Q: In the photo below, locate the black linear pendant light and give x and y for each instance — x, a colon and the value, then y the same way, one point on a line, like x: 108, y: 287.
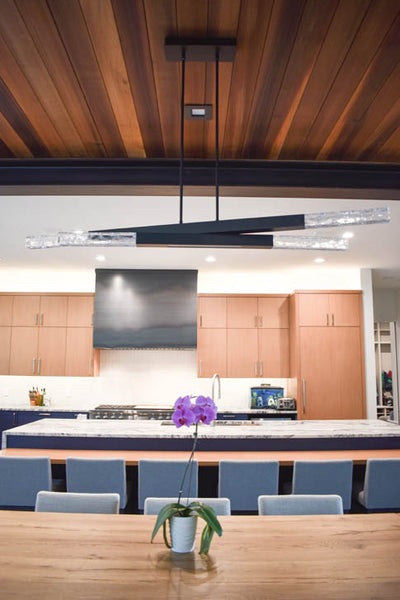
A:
x: 229, y: 233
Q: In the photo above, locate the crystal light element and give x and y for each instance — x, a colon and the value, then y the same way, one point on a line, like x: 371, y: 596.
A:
x: 293, y: 242
x: 84, y: 238
x: 366, y: 216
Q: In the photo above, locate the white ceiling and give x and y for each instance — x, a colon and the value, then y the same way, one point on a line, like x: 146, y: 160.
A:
x: 373, y: 246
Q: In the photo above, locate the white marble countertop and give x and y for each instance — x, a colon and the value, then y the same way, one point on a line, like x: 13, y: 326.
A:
x: 157, y: 429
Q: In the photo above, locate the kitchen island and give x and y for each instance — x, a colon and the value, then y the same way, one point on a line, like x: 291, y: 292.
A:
x: 224, y: 435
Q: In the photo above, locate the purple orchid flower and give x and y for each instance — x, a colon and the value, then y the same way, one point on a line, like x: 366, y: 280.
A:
x: 204, y: 414
x: 183, y: 416
x: 183, y: 402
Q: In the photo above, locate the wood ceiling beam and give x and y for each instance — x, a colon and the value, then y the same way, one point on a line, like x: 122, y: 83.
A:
x: 237, y: 178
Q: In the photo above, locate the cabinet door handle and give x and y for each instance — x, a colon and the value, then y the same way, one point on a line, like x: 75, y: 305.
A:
x: 255, y: 369
x: 92, y: 319
x: 327, y: 320
x: 33, y: 365
x: 201, y: 320
x: 90, y: 366
x: 36, y: 318
x: 304, y: 396
x: 38, y: 365
x: 255, y: 321
x: 201, y: 368
x: 333, y: 320
x: 44, y: 414
x: 261, y: 368
x: 261, y: 321
x: 41, y: 319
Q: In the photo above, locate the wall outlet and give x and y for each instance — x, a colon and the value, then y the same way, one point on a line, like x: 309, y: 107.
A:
x: 5, y: 393
x: 68, y: 393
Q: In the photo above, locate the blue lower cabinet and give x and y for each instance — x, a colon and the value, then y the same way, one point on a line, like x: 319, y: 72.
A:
x: 8, y: 419
x: 232, y: 416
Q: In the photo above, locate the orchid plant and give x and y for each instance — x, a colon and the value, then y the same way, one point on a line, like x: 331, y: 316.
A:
x: 203, y: 410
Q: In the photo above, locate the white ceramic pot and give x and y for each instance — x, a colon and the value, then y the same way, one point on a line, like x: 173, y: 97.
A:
x: 183, y: 533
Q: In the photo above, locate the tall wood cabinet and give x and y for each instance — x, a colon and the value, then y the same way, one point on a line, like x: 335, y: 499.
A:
x: 243, y: 335
x: 327, y: 354
x: 48, y: 334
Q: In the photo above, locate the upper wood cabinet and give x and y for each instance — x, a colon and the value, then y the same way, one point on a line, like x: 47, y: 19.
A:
x: 6, y: 305
x: 252, y: 338
x: 80, y: 311
x: 40, y: 338
x: 330, y: 309
x: 211, y: 311
x: 42, y: 311
x: 273, y: 312
x: 241, y: 312
x: 26, y: 311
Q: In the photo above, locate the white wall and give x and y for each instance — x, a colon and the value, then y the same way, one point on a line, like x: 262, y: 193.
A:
x: 155, y: 376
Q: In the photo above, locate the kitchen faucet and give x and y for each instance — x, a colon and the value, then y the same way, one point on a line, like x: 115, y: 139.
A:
x: 215, y: 376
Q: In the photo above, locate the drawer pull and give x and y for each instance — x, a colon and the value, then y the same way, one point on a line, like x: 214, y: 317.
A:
x: 304, y: 396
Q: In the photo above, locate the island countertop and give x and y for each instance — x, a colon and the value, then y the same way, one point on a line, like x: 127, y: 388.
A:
x: 233, y: 435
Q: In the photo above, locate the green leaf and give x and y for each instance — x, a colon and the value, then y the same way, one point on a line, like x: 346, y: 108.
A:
x: 206, y: 538
x: 207, y: 514
x: 167, y: 511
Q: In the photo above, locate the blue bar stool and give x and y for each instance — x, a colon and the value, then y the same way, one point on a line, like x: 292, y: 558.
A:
x: 162, y: 478
x: 242, y: 481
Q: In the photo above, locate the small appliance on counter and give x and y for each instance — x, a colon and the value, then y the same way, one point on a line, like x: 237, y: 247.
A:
x: 265, y: 397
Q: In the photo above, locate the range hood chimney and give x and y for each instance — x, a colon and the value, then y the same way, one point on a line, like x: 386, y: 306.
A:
x: 141, y: 308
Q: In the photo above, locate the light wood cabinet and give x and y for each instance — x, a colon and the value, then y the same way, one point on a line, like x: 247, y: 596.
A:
x: 41, y: 338
x: 26, y: 311
x: 253, y: 336
x: 319, y: 309
x: 40, y: 311
x: 80, y: 311
x: 23, y: 355
x: 51, y: 351
x: 80, y: 356
x: 6, y: 305
x: 273, y: 352
x: 242, y: 353
x: 5, y: 342
x: 273, y: 312
x: 211, y: 352
x: 328, y: 358
x: 241, y: 312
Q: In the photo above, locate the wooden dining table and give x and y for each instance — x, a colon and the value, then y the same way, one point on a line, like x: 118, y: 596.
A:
x: 85, y: 556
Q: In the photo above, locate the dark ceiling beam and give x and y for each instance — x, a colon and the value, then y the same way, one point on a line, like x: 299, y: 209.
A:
x: 158, y: 175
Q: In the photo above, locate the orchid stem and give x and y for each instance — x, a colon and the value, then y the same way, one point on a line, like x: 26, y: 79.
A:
x: 187, y: 467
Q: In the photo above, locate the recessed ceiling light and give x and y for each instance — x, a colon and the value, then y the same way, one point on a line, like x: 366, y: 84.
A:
x: 319, y: 260
x: 211, y: 259
x: 100, y: 257
x: 347, y: 235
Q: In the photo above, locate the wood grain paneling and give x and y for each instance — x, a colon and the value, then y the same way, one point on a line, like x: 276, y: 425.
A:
x: 72, y: 26
x: 311, y: 80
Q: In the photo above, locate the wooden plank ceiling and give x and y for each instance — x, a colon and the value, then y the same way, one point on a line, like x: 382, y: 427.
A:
x: 312, y: 80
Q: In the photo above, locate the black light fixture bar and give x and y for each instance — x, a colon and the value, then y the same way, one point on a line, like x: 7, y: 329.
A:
x: 200, y: 50
x: 202, y: 240
x: 227, y: 226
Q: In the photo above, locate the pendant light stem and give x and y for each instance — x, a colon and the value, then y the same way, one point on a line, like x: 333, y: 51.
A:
x: 216, y: 134
x: 182, y: 138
